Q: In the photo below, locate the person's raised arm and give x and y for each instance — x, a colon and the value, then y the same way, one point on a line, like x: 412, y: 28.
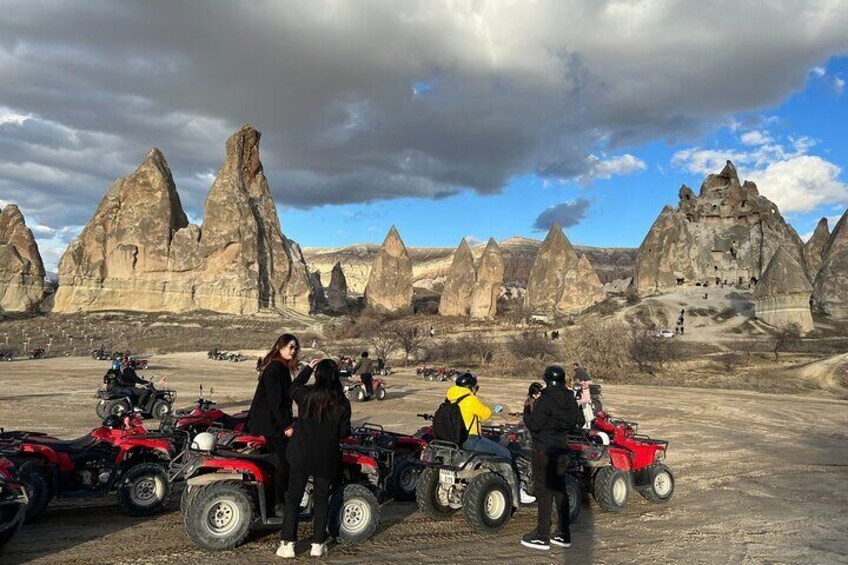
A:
x: 344, y: 422
x: 299, y: 383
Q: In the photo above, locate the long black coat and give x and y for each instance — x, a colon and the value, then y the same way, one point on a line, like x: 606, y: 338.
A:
x: 271, y: 408
x: 314, y: 447
x: 552, y: 417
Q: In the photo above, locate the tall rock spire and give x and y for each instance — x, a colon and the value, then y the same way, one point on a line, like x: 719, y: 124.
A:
x: 456, y: 296
x: 782, y: 296
x: 490, y: 278
x: 831, y: 287
x: 21, y: 268
x: 389, y: 287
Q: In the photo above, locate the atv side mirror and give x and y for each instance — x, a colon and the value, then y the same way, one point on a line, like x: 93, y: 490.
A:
x: 497, y: 409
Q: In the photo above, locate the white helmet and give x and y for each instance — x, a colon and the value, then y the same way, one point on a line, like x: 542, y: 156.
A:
x: 603, y: 436
x: 204, y: 442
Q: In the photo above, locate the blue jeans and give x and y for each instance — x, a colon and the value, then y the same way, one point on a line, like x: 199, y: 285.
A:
x: 477, y: 443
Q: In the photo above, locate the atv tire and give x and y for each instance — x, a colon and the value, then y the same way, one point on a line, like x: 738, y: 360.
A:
x: 219, y: 515
x: 656, y: 483
x: 117, y: 407
x: 380, y: 394
x: 354, y: 514
x: 403, y: 480
x: 186, y: 497
x: 36, y: 480
x: 611, y: 489
x: 161, y: 408
x: 144, y: 490
x: 487, y: 503
x: 359, y: 394
x: 427, y: 495
x: 100, y: 408
x: 575, y: 498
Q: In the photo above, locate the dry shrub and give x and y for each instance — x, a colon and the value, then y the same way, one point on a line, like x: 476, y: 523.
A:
x: 603, y: 347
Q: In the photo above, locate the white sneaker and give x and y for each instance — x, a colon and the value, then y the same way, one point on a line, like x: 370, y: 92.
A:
x: 286, y: 550
x: 526, y: 498
x: 318, y: 550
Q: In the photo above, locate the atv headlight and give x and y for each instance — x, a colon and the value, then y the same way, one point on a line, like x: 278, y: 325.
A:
x: 659, y: 455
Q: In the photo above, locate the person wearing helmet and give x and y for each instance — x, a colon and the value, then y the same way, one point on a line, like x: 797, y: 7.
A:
x: 550, y: 418
x: 364, y: 368
x: 474, y: 413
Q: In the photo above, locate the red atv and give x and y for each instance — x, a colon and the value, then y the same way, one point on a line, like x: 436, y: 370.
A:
x: 637, y: 461
x: 13, y: 501
x: 37, y: 353
x: 120, y: 456
x: 355, y: 389
x: 227, y: 495
x: 205, y: 414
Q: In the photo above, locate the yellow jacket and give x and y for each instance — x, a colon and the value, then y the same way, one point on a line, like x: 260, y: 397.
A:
x: 473, y: 411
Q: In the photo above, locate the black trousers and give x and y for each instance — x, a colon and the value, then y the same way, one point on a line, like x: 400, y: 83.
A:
x: 277, y: 446
x: 320, y: 506
x: 550, y: 487
x: 368, y: 381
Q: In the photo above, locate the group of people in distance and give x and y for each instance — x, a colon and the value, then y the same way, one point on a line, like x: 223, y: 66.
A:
x: 310, y: 447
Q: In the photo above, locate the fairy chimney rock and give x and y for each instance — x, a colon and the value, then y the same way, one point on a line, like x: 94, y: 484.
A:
x: 21, y: 268
x: 459, y: 285
x: 336, y: 292
x: 561, y: 282
x: 830, y: 293
x: 815, y: 247
x: 782, y: 296
x: 490, y: 278
x: 389, y: 287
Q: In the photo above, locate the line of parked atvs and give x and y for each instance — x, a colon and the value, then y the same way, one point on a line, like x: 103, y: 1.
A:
x: 226, y: 475
x: 231, y: 356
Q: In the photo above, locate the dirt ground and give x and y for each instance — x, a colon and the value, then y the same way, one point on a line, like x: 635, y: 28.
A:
x: 760, y: 478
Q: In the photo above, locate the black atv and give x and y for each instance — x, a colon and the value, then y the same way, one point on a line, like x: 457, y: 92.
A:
x: 118, y: 400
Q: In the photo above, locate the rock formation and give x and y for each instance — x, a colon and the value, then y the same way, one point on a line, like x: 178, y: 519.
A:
x: 560, y: 281
x: 831, y: 286
x: 139, y: 252
x: 319, y: 297
x: 456, y: 296
x: 21, y: 269
x: 782, y: 297
x: 490, y: 278
x: 815, y: 247
x: 727, y: 234
x: 337, y: 290
x: 389, y: 288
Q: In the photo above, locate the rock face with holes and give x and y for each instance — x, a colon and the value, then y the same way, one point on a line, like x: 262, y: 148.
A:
x: 560, y: 281
x: 816, y: 246
x: 490, y: 278
x: 456, y: 296
x: 389, y: 288
x: 21, y: 268
x: 139, y: 252
x: 831, y: 286
x: 727, y: 234
x: 782, y: 296
x: 337, y: 290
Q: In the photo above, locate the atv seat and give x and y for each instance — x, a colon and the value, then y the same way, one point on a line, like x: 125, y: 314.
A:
x: 230, y: 422
x: 66, y: 446
x: 264, y: 461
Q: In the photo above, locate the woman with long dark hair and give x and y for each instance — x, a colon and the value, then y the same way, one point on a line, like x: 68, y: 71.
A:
x: 271, y: 409
x: 323, y: 419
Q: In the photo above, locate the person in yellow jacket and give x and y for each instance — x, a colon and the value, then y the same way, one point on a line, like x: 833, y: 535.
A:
x: 474, y: 413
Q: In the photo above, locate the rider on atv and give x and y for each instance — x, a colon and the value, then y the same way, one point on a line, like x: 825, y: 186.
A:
x: 474, y: 413
x: 125, y: 381
x: 550, y: 417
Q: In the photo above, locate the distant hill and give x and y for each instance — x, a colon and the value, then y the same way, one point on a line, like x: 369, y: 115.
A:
x: 430, y: 265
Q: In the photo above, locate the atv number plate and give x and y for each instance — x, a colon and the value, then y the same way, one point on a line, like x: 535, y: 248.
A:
x: 447, y: 477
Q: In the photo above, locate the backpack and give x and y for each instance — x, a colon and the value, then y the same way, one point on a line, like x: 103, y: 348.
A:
x: 448, y: 424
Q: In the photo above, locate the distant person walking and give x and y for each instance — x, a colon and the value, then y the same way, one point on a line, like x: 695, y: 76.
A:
x: 365, y: 369
x: 323, y: 419
x: 271, y: 409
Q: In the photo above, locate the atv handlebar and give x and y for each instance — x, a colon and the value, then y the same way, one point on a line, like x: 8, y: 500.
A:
x: 428, y: 417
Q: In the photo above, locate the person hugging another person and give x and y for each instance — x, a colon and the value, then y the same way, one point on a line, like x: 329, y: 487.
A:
x: 323, y: 419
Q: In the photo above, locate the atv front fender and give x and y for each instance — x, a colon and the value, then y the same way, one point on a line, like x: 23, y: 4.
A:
x: 210, y: 478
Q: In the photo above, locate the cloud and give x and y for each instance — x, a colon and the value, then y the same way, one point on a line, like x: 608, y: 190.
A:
x: 567, y: 214
x: 784, y: 172
x: 423, y: 99
x: 838, y: 86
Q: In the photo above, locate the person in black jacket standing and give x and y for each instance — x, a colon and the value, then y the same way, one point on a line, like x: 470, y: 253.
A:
x: 323, y: 419
x: 550, y: 418
x: 271, y: 409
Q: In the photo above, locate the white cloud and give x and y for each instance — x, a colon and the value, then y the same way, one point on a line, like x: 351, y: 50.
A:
x: 756, y: 138
x: 818, y: 71
x: 600, y: 168
x: 839, y: 85
x: 9, y: 116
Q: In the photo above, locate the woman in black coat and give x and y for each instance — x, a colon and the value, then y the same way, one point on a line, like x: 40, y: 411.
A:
x: 323, y: 419
x: 271, y: 409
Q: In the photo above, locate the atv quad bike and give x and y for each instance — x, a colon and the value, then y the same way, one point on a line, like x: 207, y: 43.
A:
x: 13, y: 501
x: 227, y: 492
x: 115, y: 400
x: 206, y: 414
x: 355, y: 389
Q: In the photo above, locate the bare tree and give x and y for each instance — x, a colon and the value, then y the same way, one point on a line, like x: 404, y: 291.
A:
x: 382, y: 342
x: 408, y: 339
x: 784, y: 337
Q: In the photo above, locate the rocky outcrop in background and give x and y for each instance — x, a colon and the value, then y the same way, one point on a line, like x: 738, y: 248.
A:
x: 782, y: 296
x: 456, y: 295
x: 831, y: 287
x: 816, y: 246
x: 725, y: 235
x: 389, y: 288
x: 21, y: 268
x: 561, y: 282
x: 139, y: 252
x: 336, y: 291
x: 490, y: 278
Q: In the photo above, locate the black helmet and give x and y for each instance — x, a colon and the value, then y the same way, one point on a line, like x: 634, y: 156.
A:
x: 535, y: 388
x: 112, y: 421
x: 466, y: 380
x: 365, y: 354
x: 554, y: 375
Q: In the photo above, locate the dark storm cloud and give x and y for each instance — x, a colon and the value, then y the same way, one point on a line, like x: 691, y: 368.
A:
x: 566, y: 214
x: 375, y: 99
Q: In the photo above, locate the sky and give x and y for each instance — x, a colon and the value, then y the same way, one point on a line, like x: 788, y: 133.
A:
x: 448, y: 119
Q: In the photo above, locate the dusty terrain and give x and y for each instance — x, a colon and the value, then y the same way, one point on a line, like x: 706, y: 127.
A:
x: 760, y: 478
